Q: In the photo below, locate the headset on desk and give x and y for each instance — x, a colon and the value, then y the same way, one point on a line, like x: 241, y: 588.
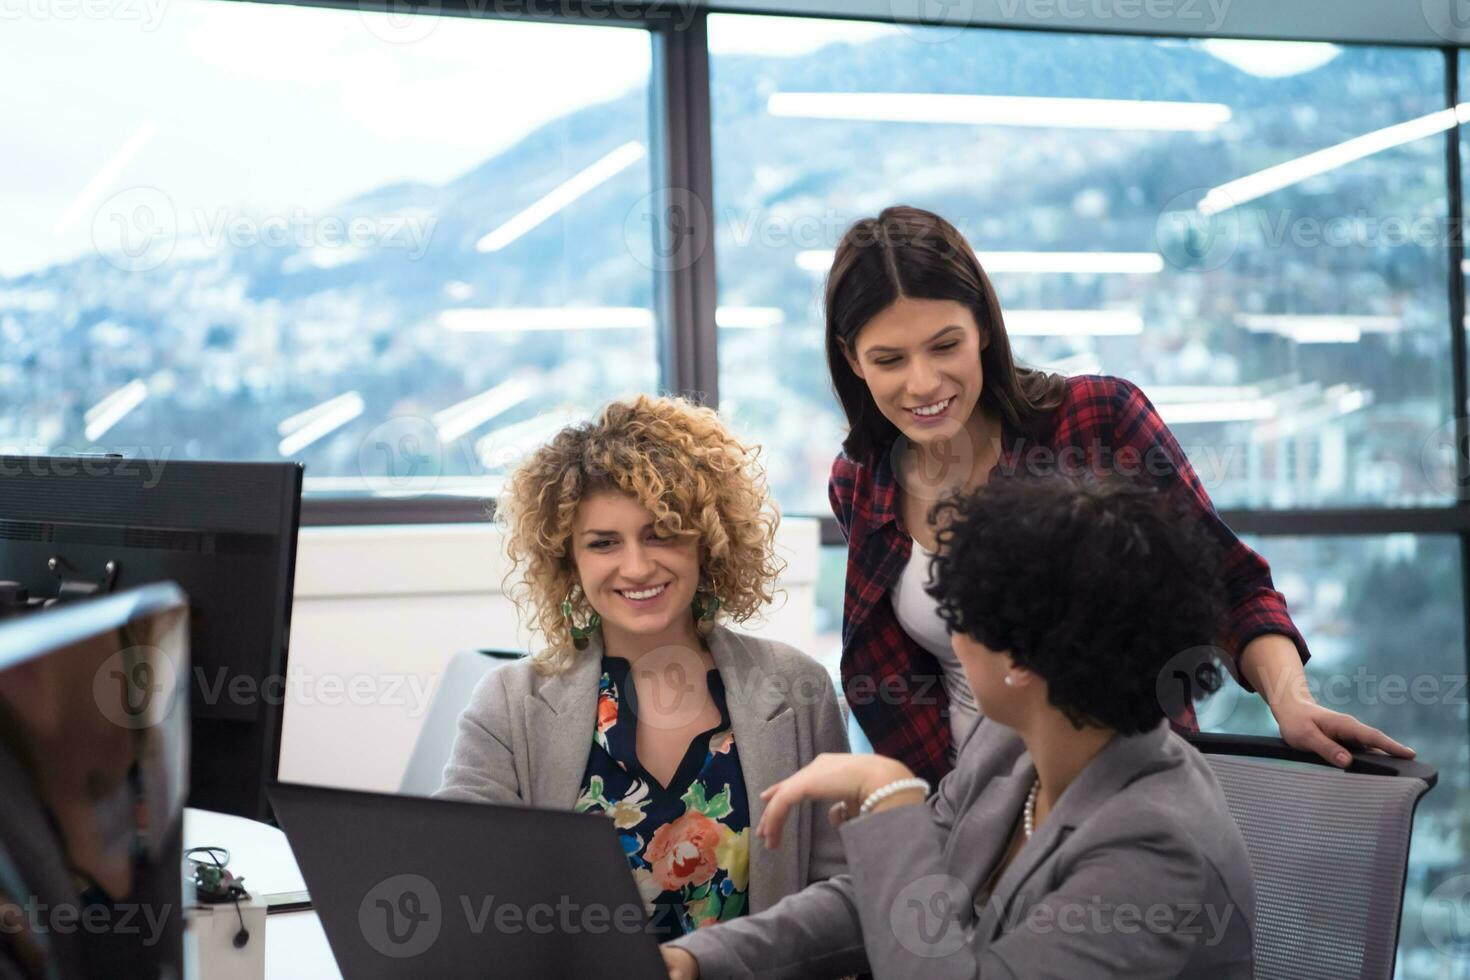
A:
x: 214, y: 883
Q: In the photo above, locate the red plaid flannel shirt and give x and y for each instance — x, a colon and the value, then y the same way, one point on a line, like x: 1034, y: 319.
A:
x: 1107, y: 424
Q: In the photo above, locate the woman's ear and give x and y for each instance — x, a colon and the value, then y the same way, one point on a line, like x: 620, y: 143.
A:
x: 852, y: 361
x: 1017, y: 676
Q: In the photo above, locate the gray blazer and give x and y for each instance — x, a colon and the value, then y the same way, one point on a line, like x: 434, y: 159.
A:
x: 1138, y: 872
x: 525, y: 738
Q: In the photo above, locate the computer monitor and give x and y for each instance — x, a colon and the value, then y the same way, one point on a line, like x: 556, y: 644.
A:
x: 93, y: 772
x: 79, y: 526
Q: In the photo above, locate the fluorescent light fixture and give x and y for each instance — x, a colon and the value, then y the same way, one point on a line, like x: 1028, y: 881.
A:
x: 305, y: 428
x: 1183, y: 404
x: 1073, y: 364
x: 1263, y: 182
x: 1326, y: 333
x: 564, y: 194
x: 749, y: 317
x: 1120, y: 263
x: 1240, y: 410
x: 1290, y: 411
x: 104, y: 177
x: 1315, y: 406
x: 1073, y: 323
x: 1090, y: 263
x: 1000, y: 110
x: 111, y: 410
x: 1272, y: 59
x: 1165, y: 394
x: 304, y: 418
x: 514, y: 319
x: 474, y: 412
x: 1352, y: 400
x: 1318, y: 329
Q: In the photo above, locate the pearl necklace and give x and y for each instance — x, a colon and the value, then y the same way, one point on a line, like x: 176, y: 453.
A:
x: 1029, y: 813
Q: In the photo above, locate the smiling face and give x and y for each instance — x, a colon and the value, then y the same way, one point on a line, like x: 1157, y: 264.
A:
x: 920, y: 359
x: 639, y: 580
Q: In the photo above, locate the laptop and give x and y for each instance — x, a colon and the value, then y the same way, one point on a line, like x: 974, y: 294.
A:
x: 411, y: 886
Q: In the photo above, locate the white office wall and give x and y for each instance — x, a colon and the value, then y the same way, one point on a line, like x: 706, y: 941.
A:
x: 378, y: 612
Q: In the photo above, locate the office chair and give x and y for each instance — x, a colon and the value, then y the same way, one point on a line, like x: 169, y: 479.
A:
x: 441, y: 723
x: 1329, y: 849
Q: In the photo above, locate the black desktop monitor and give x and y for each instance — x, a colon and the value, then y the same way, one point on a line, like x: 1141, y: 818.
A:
x: 74, y: 527
x: 94, y: 744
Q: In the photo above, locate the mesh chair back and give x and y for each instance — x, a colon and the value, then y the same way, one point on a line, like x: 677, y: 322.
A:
x: 1329, y: 850
x: 425, y: 768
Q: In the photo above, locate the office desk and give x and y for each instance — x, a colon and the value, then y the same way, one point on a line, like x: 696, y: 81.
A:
x: 295, y: 946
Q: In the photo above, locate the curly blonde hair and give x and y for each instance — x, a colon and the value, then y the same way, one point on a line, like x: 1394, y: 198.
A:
x: 679, y: 461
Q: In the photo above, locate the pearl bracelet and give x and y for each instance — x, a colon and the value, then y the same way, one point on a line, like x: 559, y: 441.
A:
x: 884, y: 792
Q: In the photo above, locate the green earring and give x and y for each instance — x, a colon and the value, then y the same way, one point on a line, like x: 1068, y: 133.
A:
x: 705, y: 606
x: 580, y: 634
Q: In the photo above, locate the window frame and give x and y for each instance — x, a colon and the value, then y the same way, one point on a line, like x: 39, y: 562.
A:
x: 687, y: 335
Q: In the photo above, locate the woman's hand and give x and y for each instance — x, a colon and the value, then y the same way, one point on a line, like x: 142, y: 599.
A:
x: 1308, y: 726
x: 1271, y: 663
x: 845, y: 779
x: 681, y: 964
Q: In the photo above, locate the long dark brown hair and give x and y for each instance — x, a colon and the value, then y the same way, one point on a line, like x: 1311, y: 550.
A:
x: 910, y: 252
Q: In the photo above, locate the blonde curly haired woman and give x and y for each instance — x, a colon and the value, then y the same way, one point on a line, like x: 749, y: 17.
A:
x: 636, y: 536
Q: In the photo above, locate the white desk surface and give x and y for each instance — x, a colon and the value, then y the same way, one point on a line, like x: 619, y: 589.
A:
x: 295, y: 946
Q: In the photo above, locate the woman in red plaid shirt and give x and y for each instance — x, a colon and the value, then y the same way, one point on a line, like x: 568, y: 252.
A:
x: 936, y: 404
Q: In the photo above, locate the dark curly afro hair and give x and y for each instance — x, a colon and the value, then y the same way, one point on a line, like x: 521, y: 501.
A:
x: 1097, y: 586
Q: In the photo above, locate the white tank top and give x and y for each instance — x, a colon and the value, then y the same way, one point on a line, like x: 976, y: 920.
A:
x: 918, y: 614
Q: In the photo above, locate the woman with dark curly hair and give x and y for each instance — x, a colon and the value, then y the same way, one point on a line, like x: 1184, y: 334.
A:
x: 635, y: 537
x: 1078, y: 835
x: 935, y: 403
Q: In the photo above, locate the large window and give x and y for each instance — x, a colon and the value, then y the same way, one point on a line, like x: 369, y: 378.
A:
x: 394, y: 248
x: 405, y: 249
x: 1254, y: 232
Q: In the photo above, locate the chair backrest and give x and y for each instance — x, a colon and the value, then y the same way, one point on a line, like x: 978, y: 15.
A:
x: 441, y: 724
x: 1329, y: 850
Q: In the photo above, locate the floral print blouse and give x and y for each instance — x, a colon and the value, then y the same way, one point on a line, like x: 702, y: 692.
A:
x: 689, y: 844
